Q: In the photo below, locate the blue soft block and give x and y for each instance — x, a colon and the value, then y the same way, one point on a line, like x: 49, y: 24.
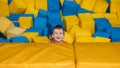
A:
x: 70, y: 8
x: 53, y: 5
x: 42, y: 13
x: 102, y: 24
x: 2, y: 36
x: 36, y: 29
x: 16, y: 23
x: 40, y: 22
x: 15, y: 17
x: 19, y: 39
x: 115, y: 30
x: 54, y: 15
x: 4, y: 41
x: 115, y: 37
x: 45, y: 31
x: 9, y: 1
x: 102, y: 34
x: 82, y: 10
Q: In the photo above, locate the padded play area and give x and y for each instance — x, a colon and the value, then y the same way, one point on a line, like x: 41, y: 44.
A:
x: 91, y: 30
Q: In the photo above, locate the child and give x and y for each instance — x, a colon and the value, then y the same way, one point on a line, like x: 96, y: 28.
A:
x: 58, y: 34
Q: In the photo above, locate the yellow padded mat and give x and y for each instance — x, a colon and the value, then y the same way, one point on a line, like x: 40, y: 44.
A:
x: 102, y: 55
x: 31, y: 55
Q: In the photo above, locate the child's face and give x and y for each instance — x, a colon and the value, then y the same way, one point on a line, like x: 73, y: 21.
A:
x: 58, y: 35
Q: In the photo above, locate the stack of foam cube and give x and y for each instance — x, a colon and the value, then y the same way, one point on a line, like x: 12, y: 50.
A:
x: 70, y: 8
x: 4, y: 8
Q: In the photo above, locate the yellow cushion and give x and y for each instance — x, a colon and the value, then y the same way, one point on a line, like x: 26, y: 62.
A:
x: 33, y: 55
x: 30, y: 35
x: 3, y: 2
x: 41, y: 39
x: 32, y: 11
x: 25, y: 22
x: 30, y: 3
x: 17, y: 6
x: 84, y: 40
x: 5, y: 24
x: 98, y: 15
x: 100, y: 6
x: 114, y: 6
x: 4, y: 11
x: 41, y: 4
x: 87, y: 22
x: 101, y: 39
x: 68, y: 38
x: 102, y: 55
x: 16, y: 31
x: 113, y: 19
x: 88, y: 4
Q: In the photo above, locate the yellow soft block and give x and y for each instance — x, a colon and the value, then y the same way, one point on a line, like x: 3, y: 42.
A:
x: 78, y: 1
x: 3, y: 2
x: 70, y: 21
x: 101, y: 39
x: 83, y: 33
x: 31, y: 55
x: 98, y: 15
x: 30, y: 35
x: 4, y: 11
x: 41, y: 4
x: 118, y: 14
x: 100, y: 6
x: 41, y: 39
x: 5, y: 24
x: 84, y: 40
x: 25, y: 22
x: 113, y: 19
x: 32, y: 11
x: 16, y: 31
x: 68, y: 38
x: 17, y: 6
x: 114, y: 6
x: 94, y: 55
x: 87, y: 22
x: 88, y: 4
x: 30, y: 3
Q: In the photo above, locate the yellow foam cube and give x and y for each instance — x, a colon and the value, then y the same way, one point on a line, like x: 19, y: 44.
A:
x: 41, y: 4
x: 41, y: 39
x: 4, y: 11
x: 83, y: 33
x: 98, y: 15
x: 17, y: 6
x: 78, y: 1
x: 114, y: 6
x: 15, y: 32
x: 88, y: 4
x: 70, y: 21
x: 87, y: 22
x: 100, y: 6
x: 25, y: 22
x: 30, y: 35
x: 113, y: 19
x: 3, y: 2
x: 5, y: 24
x: 101, y: 39
x: 118, y: 14
x: 30, y: 3
x: 32, y: 11
x: 68, y: 38
x: 84, y: 40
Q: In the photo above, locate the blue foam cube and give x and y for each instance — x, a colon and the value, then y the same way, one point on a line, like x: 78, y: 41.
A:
x: 102, y: 24
x: 115, y: 37
x: 102, y: 34
x: 40, y: 22
x: 16, y: 23
x: 15, y: 17
x: 42, y: 13
x: 36, y: 29
x: 19, y: 39
x: 4, y: 41
x: 53, y: 5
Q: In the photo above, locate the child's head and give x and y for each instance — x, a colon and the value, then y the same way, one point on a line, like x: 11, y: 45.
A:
x: 58, y: 33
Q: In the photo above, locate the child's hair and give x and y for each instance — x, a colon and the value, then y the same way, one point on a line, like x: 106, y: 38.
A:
x: 58, y: 27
